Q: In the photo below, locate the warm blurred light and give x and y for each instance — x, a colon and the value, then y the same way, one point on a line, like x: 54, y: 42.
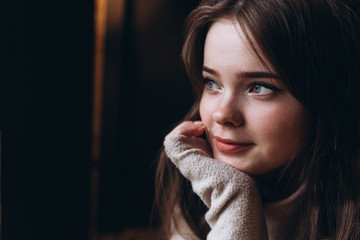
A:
x: 108, y: 15
x: 99, y: 52
x: 115, y: 16
x: 100, y: 13
x: 146, y: 10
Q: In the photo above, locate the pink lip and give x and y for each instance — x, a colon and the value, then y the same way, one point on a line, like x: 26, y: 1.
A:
x: 230, y: 146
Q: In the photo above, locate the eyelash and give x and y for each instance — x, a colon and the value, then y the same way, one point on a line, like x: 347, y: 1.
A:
x: 206, y: 81
x: 254, y: 84
x: 265, y: 85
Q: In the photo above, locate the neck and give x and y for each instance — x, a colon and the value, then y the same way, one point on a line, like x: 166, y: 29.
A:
x: 277, y: 184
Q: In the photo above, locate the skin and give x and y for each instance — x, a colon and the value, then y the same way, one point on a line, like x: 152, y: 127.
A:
x: 251, y: 120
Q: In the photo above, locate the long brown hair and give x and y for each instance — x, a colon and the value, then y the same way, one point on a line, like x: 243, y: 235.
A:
x: 314, y: 46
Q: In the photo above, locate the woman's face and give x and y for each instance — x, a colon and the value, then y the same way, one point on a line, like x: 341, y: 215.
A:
x: 252, y: 121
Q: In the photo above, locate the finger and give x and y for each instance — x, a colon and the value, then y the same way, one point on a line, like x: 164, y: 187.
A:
x: 192, y: 131
x: 198, y: 122
x: 187, y: 128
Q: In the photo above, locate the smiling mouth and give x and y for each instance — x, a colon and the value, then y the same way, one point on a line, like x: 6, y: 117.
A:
x: 230, y: 146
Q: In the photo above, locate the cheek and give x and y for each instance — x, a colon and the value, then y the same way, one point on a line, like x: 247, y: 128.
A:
x: 205, y: 111
x: 283, y: 127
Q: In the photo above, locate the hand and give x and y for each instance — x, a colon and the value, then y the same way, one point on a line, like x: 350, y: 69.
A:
x: 193, y: 131
x: 187, y: 128
x: 232, y: 196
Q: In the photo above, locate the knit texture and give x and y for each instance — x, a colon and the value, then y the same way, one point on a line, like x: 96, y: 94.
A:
x: 233, y: 199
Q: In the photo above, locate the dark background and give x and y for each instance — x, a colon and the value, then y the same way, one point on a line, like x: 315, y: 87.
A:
x: 46, y: 114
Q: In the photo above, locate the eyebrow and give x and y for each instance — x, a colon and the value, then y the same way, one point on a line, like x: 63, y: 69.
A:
x: 245, y: 74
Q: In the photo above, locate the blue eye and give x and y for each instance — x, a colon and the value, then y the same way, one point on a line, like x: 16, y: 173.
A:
x: 262, y: 89
x: 211, y: 84
x: 258, y: 89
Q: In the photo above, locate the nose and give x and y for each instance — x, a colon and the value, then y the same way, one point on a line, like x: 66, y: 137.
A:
x: 229, y: 112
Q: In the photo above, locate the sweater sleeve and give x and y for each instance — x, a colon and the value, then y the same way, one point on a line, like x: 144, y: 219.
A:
x: 232, y: 196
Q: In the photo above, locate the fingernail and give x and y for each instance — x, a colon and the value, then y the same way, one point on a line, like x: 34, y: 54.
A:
x: 198, y: 122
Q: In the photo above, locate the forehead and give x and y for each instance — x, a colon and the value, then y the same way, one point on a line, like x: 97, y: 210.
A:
x: 227, y: 45
x: 226, y: 36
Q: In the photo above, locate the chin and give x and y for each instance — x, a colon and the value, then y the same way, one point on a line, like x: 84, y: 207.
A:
x: 243, y: 166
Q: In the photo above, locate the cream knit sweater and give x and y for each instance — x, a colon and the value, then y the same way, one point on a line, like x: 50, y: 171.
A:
x: 235, y: 207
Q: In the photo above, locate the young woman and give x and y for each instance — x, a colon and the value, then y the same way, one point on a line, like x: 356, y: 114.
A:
x: 270, y: 149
